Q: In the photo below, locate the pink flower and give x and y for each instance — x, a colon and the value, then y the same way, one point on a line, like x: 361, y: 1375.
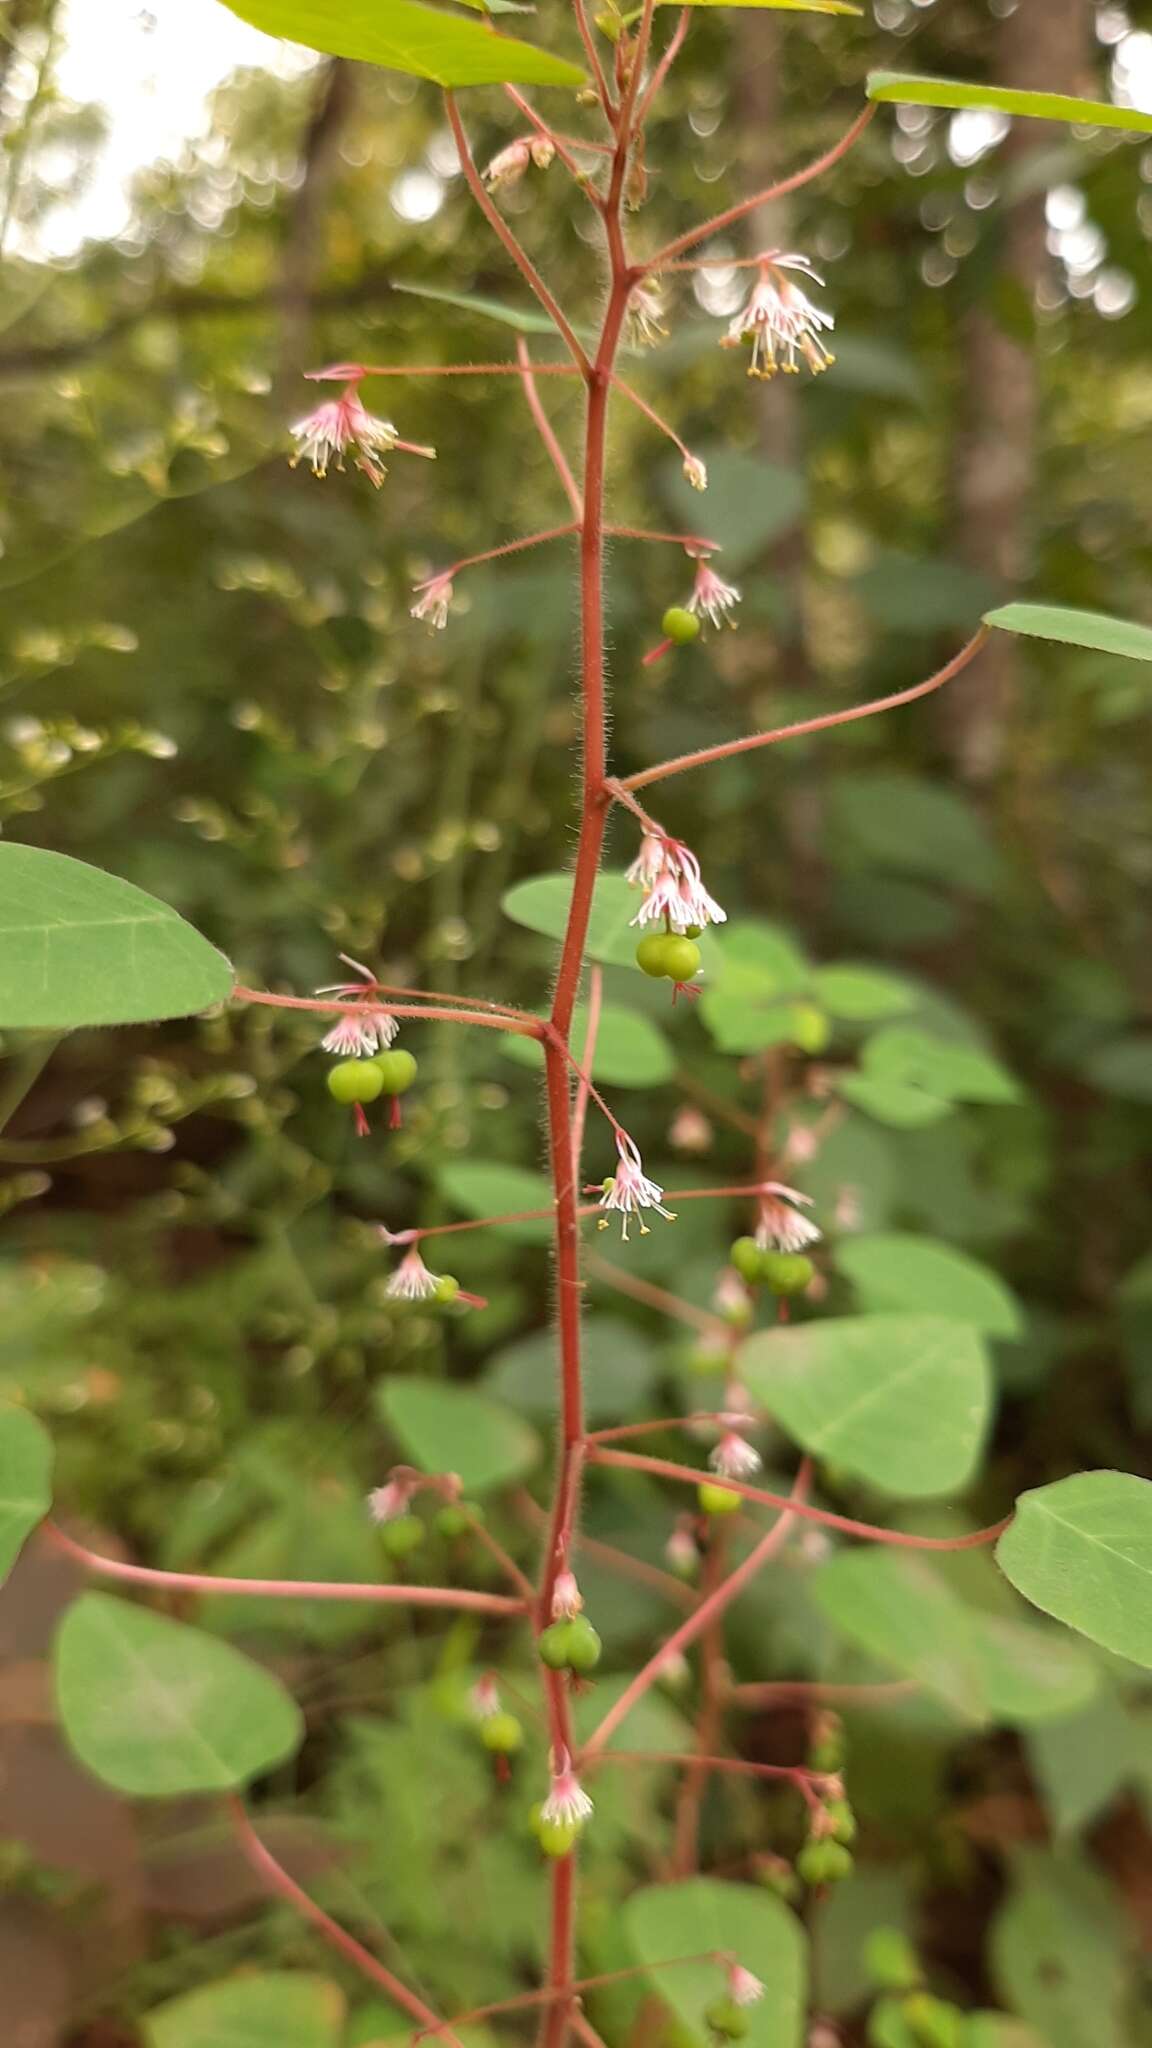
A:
x: 386, y: 1502
x: 484, y: 1698
x: 779, y: 1226
x: 337, y: 425
x: 711, y: 596
x: 567, y: 1599
x: 690, y: 1130
x: 681, y: 1553
x: 733, y: 1458
x: 629, y: 1189
x: 695, y: 472
x: 780, y: 321
x: 510, y: 163
x: 412, y: 1281
x: 669, y: 874
x: 645, y: 314
x: 432, y: 601
x: 567, y: 1801
x: 743, y: 1987
x: 359, y: 1033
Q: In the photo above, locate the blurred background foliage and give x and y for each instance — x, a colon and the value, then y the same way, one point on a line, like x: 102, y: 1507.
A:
x: 209, y: 683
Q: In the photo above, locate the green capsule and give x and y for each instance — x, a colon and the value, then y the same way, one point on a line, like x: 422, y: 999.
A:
x: 681, y: 959
x: 553, y: 1645
x: 355, y: 1081
x: 786, y: 1272
x: 447, y: 1288
x: 452, y: 1522
x: 727, y: 2019
x: 843, y: 1820
x: 746, y: 1255
x: 584, y: 1645
x: 557, y: 1838
x: 702, y: 1360
x: 397, y: 1071
x: 650, y: 954
x: 717, y: 1500
x: 680, y: 625
x: 502, y: 1733
x: 824, y: 1862
x: 402, y: 1536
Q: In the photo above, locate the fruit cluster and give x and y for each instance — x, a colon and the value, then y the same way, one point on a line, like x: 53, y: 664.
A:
x: 783, y: 1272
x: 361, y: 1081
x: 670, y: 956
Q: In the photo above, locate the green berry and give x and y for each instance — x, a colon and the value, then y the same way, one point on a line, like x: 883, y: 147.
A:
x: 402, y: 1536
x: 451, y: 1522
x: 502, y: 1734
x: 824, y: 1862
x: 703, y: 1361
x: 746, y: 1255
x: 650, y: 954
x: 584, y: 1646
x: 557, y: 1838
x: 681, y: 959
x: 843, y: 1821
x: 932, y: 2022
x: 553, y: 1645
x: 786, y: 1272
x: 693, y: 931
x: 355, y: 1081
x: 717, y: 1500
x: 447, y: 1287
x: 397, y: 1071
x: 680, y: 625
x: 809, y: 1027
x: 891, y: 1960
x: 727, y: 2019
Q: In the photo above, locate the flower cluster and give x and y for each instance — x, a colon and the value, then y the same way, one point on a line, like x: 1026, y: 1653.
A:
x: 780, y: 320
x: 509, y: 164
x: 344, y: 424
x: 779, y: 1225
x: 629, y: 1190
x: 669, y: 874
x: 367, y: 1029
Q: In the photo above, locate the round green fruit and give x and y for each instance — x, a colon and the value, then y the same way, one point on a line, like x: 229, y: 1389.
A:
x: 502, y: 1734
x: 933, y: 2022
x: 703, y: 1361
x: 717, y: 1500
x: 557, y: 1838
x: 355, y: 1081
x: 680, y: 625
x: 447, y: 1287
x: 786, y: 1272
x: 681, y: 959
x: 401, y: 1537
x: 843, y: 1820
x: 553, y: 1645
x: 397, y: 1071
x: 650, y: 954
x: 824, y: 1862
x: 727, y: 2019
x: 809, y: 1027
x: 451, y: 1522
x: 746, y: 1255
x: 584, y: 1645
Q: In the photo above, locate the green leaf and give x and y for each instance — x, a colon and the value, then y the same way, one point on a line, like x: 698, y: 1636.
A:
x: 156, y: 1709
x: 482, y: 1190
x: 524, y: 319
x: 892, y: 1102
x: 860, y: 995
x: 894, y: 1270
x: 25, y: 1481
x: 904, y: 1614
x: 906, y: 89
x: 541, y: 905
x: 1077, y: 629
x: 938, y: 1066
x: 1082, y: 1763
x: 901, y: 1401
x: 252, y: 2011
x: 81, y: 947
x: 1059, y: 1954
x: 669, y: 1921
x: 445, y: 1428
x: 1081, y: 1549
x: 403, y: 36
x: 906, y: 823
x: 619, y: 1372
x: 631, y: 1051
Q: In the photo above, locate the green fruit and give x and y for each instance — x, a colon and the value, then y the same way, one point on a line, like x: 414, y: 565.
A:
x: 843, y: 1819
x: 553, y: 1645
x: 778, y: 1876
x: 703, y: 1361
x: 401, y: 1537
x: 809, y: 1027
x: 717, y: 1500
x: 397, y: 1071
x: 693, y: 931
x: 727, y: 2019
x: 680, y: 625
x: 502, y: 1734
x: 355, y: 1081
x: 746, y: 1255
x: 824, y: 1862
x: 584, y: 1645
x: 557, y: 1838
x: 447, y: 1287
x: 650, y: 954
x: 681, y: 959
x: 786, y: 1272
x: 933, y: 2022
x: 452, y: 1522
x: 891, y: 1960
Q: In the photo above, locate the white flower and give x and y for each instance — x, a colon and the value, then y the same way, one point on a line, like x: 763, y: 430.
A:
x: 780, y: 1227
x: 567, y: 1599
x: 412, y: 1281
x: 385, y: 1503
x: 695, y: 472
x: 567, y: 1801
x: 733, y: 1458
x: 629, y: 1189
x: 337, y: 425
x: 432, y: 601
x: 743, y: 1987
x: 645, y: 312
x: 673, y: 886
x: 649, y: 861
x: 360, y: 1032
x: 780, y: 321
x: 711, y: 596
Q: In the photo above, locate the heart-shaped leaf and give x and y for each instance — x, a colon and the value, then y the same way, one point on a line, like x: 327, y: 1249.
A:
x: 156, y: 1709
x: 81, y: 947
x: 668, y: 1924
x: 1081, y: 1549
x: 894, y: 1270
x: 454, y: 1429
x: 253, y: 2011
x: 25, y: 1481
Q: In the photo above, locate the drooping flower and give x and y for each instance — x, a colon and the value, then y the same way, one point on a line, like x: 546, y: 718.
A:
x: 629, y: 1189
x: 340, y: 424
x: 567, y: 1801
x: 484, y: 1698
x: 690, y: 1130
x: 387, y: 1502
x: 432, y: 602
x: 510, y: 163
x: 711, y: 597
x: 669, y: 874
x: 733, y: 1457
x: 781, y: 321
x: 780, y: 1227
x: 743, y: 1987
x: 730, y: 1297
x: 695, y: 472
x: 411, y: 1280
x: 645, y: 314
x: 681, y: 1553
x: 368, y: 1028
x: 567, y: 1599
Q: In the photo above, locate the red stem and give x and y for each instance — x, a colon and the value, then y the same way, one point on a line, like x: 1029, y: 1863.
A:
x: 283, y: 1589
x: 728, y: 748
x: 525, y: 1027
x: 545, y: 428
x: 662, y: 1468
x: 510, y: 547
